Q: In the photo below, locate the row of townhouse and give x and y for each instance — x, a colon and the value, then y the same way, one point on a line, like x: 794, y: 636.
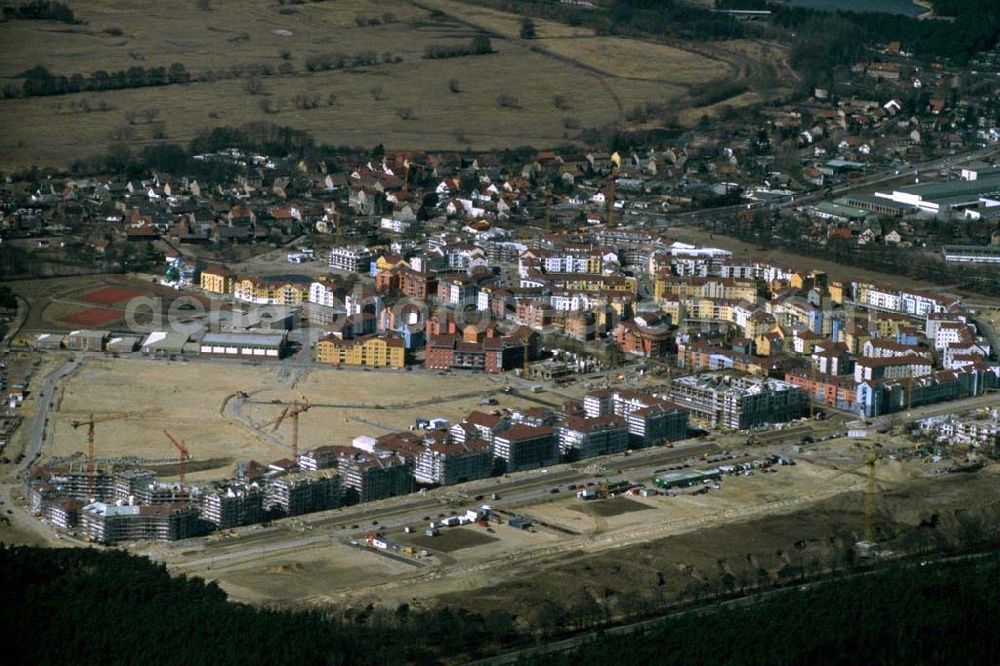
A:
x: 884, y: 396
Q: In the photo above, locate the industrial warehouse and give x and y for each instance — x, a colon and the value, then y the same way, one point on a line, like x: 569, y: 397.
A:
x: 268, y: 344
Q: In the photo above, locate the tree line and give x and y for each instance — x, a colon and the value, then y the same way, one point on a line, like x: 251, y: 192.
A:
x: 87, y: 606
x: 40, y: 10
x: 479, y: 45
x: 39, y: 81
x: 94, y: 606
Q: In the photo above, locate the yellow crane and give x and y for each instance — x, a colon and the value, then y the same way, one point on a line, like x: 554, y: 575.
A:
x: 868, y: 526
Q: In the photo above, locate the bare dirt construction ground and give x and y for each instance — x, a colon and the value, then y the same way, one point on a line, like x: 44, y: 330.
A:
x: 450, y: 539
x: 611, y: 507
x: 220, y: 48
x: 737, y: 554
x: 189, y: 397
x: 298, y: 577
x: 349, y: 403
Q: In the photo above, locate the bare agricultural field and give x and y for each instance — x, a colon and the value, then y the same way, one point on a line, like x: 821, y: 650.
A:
x: 503, y: 23
x: 633, y: 59
x: 188, y: 395
x: 693, y: 114
x: 405, y: 101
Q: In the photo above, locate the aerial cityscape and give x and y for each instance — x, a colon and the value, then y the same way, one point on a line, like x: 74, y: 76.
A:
x: 500, y: 331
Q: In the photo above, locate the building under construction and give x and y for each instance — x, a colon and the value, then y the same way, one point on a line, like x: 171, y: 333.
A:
x: 302, y: 492
x: 233, y: 506
x: 738, y: 403
x: 111, y: 524
x: 105, y: 484
x: 374, y: 476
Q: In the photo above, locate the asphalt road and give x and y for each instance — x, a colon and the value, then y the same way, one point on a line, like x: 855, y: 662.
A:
x: 36, y: 430
x: 515, y: 491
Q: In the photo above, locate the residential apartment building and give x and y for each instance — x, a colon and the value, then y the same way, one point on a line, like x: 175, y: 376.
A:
x: 892, y: 367
x: 646, y: 335
x: 374, y: 476
x: 281, y: 290
x: 738, y: 403
x: 581, y: 438
x: 303, y: 492
x: 489, y: 351
x: 650, y: 420
x: 524, y: 447
x: 387, y: 351
x: 322, y: 457
x: 456, y: 462
x: 110, y: 524
x: 233, y: 506
x: 351, y: 259
x: 217, y: 279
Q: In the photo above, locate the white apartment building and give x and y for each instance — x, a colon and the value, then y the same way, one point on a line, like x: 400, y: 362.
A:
x: 351, y: 259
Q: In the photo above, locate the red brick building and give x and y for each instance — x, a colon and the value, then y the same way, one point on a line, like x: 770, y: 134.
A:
x: 838, y: 391
x: 475, y: 350
x: 645, y: 336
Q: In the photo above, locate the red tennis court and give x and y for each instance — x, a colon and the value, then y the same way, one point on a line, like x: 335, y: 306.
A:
x: 109, y: 295
x: 93, y: 317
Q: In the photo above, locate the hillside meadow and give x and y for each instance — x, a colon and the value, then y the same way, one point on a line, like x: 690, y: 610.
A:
x: 349, y: 73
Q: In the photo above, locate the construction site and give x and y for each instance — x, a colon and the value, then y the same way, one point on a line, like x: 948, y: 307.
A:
x: 297, y: 488
x: 841, y: 500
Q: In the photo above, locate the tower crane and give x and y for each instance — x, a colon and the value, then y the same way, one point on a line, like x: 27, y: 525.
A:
x: 183, y: 455
x: 292, y: 412
x: 616, y: 165
x: 868, y: 527
x: 104, y: 418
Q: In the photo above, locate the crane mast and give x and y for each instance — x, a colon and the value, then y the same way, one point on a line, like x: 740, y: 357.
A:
x: 183, y: 455
x: 292, y: 412
x: 90, y: 421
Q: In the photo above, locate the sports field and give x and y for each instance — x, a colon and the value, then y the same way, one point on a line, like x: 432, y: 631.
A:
x: 92, y: 301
